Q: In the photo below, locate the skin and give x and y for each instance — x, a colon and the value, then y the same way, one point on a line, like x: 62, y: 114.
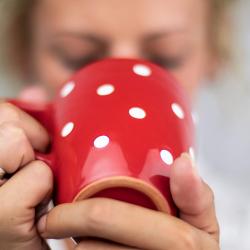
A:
x: 173, y: 34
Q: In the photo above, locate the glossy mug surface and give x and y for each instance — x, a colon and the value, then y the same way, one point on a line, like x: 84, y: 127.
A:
x: 116, y: 126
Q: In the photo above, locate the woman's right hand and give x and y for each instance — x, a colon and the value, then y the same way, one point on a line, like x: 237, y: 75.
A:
x: 31, y: 183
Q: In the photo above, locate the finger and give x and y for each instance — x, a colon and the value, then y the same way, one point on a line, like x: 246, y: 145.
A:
x: 2, y: 182
x: 35, y: 94
x: 44, y: 207
x: 35, y: 132
x: 192, y: 196
x: 2, y: 173
x: 91, y: 244
x: 123, y: 223
x: 27, y: 188
x: 15, y: 148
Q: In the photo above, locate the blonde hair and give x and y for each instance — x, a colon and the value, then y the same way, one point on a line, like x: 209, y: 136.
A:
x: 15, y: 36
x: 220, y: 31
x: 15, y: 15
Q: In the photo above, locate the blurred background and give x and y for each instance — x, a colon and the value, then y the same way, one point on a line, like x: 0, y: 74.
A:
x: 223, y: 138
x: 223, y: 111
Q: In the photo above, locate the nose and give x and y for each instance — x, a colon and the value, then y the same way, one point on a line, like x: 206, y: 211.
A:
x: 125, y: 49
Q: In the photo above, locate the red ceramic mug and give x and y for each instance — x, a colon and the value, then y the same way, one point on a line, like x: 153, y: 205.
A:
x: 116, y: 126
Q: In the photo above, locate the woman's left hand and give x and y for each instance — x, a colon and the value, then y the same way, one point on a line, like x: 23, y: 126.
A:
x: 123, y: 226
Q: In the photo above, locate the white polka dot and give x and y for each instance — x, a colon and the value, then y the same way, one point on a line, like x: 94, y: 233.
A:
x: 177, y: 109
x: 67, y: 89
x: 67, y: 129
x: 137, y: 113
x: 167, y: 157
x: 101, y: 141
x: 191, y: 153
x: 105, y: 89
x: 142, y: 70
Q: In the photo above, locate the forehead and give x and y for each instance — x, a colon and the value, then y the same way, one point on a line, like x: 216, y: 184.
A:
x: 116, y: 16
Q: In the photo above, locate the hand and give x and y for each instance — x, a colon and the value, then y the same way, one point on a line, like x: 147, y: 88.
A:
x: 107, y: 224
x: 31, y: 181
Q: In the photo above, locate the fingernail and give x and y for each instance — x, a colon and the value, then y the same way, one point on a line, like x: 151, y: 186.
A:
x: 2, y: 173
x: 189, y: 158
x: 41, y: 225
x: 191, y: 162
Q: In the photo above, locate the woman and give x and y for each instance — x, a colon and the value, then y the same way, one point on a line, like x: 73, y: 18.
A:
x: 48, y: 41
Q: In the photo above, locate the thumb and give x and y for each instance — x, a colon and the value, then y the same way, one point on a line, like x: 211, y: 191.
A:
x: 35, y: 93
x: 193, y: 197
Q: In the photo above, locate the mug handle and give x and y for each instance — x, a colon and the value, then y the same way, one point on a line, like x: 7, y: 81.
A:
x: 43, y: 114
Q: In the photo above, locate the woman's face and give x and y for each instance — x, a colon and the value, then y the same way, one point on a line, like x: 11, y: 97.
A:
x: 66, y: 35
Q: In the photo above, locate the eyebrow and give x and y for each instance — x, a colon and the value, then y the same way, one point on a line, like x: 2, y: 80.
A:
x: 84, y: 36
x: 158, y: 35
x: 103, y: 42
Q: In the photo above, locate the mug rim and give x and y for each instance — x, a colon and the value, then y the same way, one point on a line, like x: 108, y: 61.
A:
x: 125, y: 182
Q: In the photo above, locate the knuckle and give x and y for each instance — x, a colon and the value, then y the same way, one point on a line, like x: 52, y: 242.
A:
x: 13, y: 134
x: 98, y: 212
x: 188, y: 239
x: 81, y: 246
x: 41, y: 168
x: 210, y: 197
x: 210, y: 194
x: 15, y: 149
x: 42, y: 174
x: 8, y: 111
x: 21, y: 232
x: 11, y: 129
x: 9, y: 221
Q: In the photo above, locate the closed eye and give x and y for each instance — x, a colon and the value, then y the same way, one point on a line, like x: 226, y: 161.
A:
x: 165, y: 62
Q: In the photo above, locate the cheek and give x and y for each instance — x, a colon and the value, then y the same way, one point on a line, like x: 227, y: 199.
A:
x: 192, y: 74
x: 48, y: 71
